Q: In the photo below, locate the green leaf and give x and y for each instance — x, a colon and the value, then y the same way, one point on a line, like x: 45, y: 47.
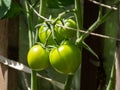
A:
x: 7, y: 3
x: 89, y: 49
x: 14, y: 10
x: 4, y: 7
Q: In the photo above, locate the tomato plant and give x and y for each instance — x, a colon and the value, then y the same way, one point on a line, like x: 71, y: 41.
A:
x: 38, y: 58
x: 66, y: 58
x: 65, y: 32
x: 45, y: 35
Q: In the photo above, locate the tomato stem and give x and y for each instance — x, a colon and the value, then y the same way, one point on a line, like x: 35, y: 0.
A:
x: 29, y: 15
x: 42, y: 9
x: 100, y: 11
x: 101, y: 19
x: 111, y: 81
x: 53, y: 34
x: 68, y: 82
x: 31, y: 33
x: 79, y: 20
x: 62, y: 14
x: 34, y: 80
x: 79, y: 15
x: 31, y: 42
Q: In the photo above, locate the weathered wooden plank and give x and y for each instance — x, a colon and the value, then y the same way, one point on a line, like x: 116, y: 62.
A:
x: 3, y: 51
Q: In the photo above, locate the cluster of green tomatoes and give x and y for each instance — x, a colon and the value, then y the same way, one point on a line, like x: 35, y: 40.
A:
x: 64, y: 57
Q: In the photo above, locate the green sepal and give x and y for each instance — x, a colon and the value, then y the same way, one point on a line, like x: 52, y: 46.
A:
x: 89, y: 49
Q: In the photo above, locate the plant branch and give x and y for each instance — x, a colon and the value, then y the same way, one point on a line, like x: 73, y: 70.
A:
x: 79, y: 15
x: 38, y: 13
x: 68, y: 82
x: 42, y: 9
x: 97, y: 23
x: 94, y: 26
x: 30, y: 25
x: 34, y: 80
x: 103, y: 5
x: 112, y: 77
x: 94, y: 34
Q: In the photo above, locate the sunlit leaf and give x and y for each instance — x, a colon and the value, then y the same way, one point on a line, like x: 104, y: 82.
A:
x: 14, y: 10
x: 7, y: 3
x: 4, y: 7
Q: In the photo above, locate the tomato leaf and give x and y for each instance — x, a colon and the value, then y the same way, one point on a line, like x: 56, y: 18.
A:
x: 14, y: 10
x: 89, y: 49
x: 4, y: 7
x: 7, y: 3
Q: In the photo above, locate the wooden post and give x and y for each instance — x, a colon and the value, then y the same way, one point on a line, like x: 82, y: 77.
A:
x: 13, y: 40
x: 89, y: 78
x: 3, y: 51
x: 117, y: 56
x: 9, y: 48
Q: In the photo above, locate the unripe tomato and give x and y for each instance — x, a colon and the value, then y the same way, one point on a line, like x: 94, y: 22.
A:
x: 65, y: 32
x: 38, y: 58
x: 65, y: 58
x: 44, y: 33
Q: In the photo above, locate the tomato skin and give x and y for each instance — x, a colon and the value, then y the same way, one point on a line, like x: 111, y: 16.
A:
x: 65, y: 58
x: 38, y: 58
x: 65, y: 32
x: 44, y: 33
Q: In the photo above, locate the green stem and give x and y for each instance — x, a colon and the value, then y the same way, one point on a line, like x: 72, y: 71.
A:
x: 68, y: 82
x: 33, y: 80
x: 98, y: 22
x: 30, y: 25
x: 42, y: 9
x: 79, y: 20
x: 42, y: 12
x: 100, y: 11
x: 53, y: 34
x: 112, y: 78
x: 79, y: 15
x: 94, y: 26
x: 31, y: 36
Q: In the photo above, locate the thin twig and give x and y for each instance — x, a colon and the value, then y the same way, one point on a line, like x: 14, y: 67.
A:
x: 94, y: 34
x: 38, y: 13
x: 103, y: 5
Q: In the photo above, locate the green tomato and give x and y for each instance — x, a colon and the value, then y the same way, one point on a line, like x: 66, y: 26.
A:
x: 65, y: 32
x: 65, y: 58
x: 38, y: 58
x: 44, y: 34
